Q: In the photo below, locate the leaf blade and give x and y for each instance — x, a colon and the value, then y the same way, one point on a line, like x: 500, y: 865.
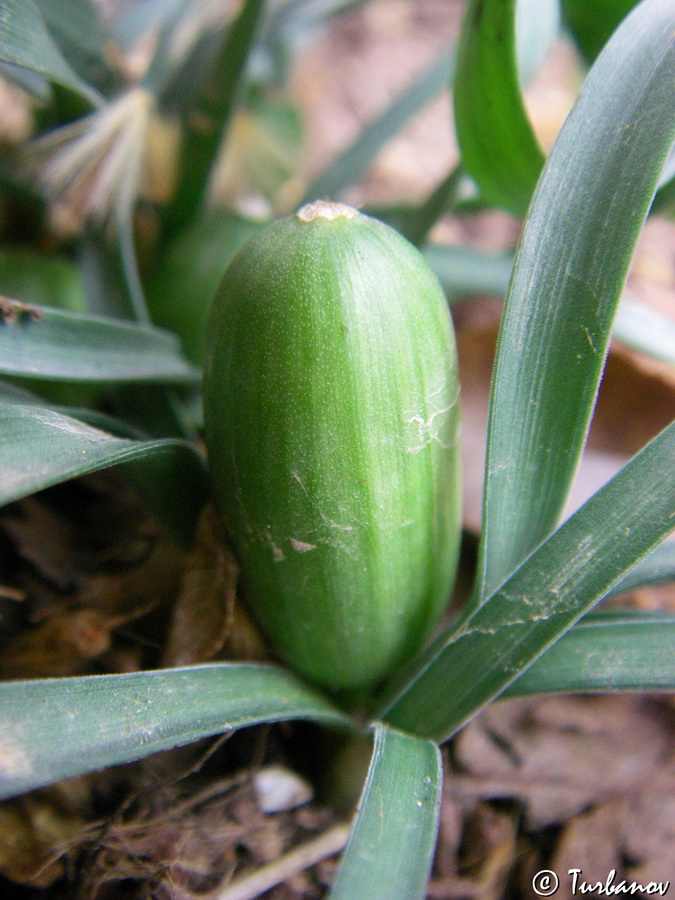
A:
x: 42, y: 342
x: 41, y: 447
x: 559, y: 582
x: 609, y: 651
x: 570, y: 268
x: 657, y: 568
x: 497, y: 144
x: 215, y: 107
x: 390, y: 848
x: 60, y: 727
x: 25, y: 42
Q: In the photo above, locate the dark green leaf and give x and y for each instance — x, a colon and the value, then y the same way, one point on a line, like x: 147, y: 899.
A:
x: 390, y: 848
x: 561, y: 580
x: 187, y: 276
x: 657, y: 568
x: 207, y: 122
x: 60, y: 727
x: 42, y: 447
x: 351, y: 164
x: 422, y: 220
x: 570, y: 268
x: 496, y: 140
x: 13, y: 393
x: 610, y: 651
x: 25, y: 42
x: 63, y: 345
x: 592, y: 24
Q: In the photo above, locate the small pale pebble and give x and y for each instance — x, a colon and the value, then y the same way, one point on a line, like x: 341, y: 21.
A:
x: 279, y: 789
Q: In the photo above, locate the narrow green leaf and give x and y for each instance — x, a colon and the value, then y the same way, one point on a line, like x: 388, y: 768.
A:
x: 131, y: 279
x: 592, y: 24
x: 609, y: 651
x: 207, y: 122
x: 424, y: 217
x: 40, y: 342
x: 390, y: 848
x: 80, y: 33
x: 41, y: 447
x: 25, y: 42
x: 570, y: 268
x: 657, y: 568
x: 497, y: 144
x: 60, y: 727
x: 562, y: 579
x: 12, y: 393
x: 351, y: 164
x: 463, y: 271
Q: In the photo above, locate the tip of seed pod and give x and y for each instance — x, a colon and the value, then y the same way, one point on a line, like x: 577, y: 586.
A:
x: 323, y: 209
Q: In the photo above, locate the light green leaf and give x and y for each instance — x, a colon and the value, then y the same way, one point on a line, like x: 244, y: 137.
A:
x: 54, y: 344
x: 351, y: 164
x: 617, y: 650
x: 562, y: 579
x: 60, y: 727
x: 581, y: 230
x: 390, y: 848
x: 25, y: 42
x: 497, y: 144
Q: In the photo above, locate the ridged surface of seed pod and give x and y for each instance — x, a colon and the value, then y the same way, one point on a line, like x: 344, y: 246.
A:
x: 332, y: 427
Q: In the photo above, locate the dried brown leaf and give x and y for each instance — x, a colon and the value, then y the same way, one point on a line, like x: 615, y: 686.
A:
x: 558, y: 756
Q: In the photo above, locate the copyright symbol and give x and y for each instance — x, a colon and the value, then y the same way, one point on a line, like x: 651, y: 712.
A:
x: 545, y: 883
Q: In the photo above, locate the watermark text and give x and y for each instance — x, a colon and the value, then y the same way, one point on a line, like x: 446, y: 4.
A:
x: 546, y: 883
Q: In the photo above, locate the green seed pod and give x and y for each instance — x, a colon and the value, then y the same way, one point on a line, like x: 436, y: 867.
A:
x: 332, y: 423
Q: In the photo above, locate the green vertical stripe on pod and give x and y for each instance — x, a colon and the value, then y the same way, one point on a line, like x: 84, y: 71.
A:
x: 332, y: 427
